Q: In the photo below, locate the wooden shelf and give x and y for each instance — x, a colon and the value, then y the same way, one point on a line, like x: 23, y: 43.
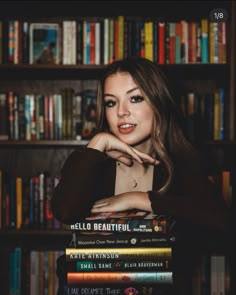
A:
x: 173, y: 10
x: 41, y: 143
x: 84, y: 72
x: 35, y: 238
x: 34, y: 232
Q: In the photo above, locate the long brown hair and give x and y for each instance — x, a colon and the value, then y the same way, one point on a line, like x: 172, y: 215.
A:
x: 167, y: 135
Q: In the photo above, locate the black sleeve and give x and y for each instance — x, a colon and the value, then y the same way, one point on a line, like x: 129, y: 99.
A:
x: 76, y: 191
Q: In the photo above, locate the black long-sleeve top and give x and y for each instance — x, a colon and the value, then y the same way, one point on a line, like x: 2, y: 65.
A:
x: 192, y: 200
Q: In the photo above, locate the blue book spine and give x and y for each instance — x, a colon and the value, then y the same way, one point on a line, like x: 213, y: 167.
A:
x: 18, y: 270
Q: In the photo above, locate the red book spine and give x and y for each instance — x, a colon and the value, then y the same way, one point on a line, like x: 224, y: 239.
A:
x: 92, y: 43
x: 161, y: 41
x: 11, y: 114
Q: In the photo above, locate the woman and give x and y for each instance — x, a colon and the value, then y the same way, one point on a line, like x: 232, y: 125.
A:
x: 140, y: 159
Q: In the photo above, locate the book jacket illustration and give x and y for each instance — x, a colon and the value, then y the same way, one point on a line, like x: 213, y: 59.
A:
x: 44, y: 43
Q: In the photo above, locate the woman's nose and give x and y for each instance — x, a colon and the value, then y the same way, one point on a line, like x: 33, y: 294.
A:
x: 123, y: 110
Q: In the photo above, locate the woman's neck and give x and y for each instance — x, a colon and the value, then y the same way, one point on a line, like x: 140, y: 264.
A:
x: 145, y: 146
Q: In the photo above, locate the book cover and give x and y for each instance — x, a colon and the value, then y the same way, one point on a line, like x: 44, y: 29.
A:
x: 151, y: 277
x: 127, y: 221
x: 117, y: 254
x: 44, y: 42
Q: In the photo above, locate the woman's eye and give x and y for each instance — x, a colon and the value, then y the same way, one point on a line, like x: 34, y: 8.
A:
x: 109, y: 103
x: 136, y: 98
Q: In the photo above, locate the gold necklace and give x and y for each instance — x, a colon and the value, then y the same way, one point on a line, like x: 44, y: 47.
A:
x: 135, y: 181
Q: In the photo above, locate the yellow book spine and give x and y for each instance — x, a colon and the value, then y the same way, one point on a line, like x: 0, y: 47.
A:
x: 226, y: 187
x: 120, y: 36
x: 148, y: 40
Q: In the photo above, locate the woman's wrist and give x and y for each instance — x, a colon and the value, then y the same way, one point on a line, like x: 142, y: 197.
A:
x: 142, y: 201
x: 97, y: 143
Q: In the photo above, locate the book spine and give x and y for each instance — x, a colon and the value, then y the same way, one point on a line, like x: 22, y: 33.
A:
x: 18, y: 202
x: 11, y: 41
x: 4, y: 134
x: 76, y: 254
x: 97, y: 43
x: 25, y: 43
x: 79, y: 42
x: 90, y: 266
x: 106, y: 41
x: 16, y: 117
x: 148, y: 40
x: 204, y: 41
x: 161, y: 42
x: 18, y: 262
x: 119, y: 277
x: 101, y: 241
x: 120, y: 36
x: 11, y: 114
x: 108, y: 290
x: 12, y: 194
x: 27, y: 118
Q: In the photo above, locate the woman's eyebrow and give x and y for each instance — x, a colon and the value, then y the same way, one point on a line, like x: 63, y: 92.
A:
x: 129, y: 91
x: 108, y: 94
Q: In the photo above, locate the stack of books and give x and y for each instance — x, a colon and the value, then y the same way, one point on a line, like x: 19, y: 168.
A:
x: 120, y: 253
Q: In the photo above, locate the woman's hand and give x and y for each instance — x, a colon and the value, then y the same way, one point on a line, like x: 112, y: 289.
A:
x: 118, y: 150
x: 123, y: 202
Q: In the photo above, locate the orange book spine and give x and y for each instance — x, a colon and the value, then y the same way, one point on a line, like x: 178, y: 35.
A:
x: 18, y: 202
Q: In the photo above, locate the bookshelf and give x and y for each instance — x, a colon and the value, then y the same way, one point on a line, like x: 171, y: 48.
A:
x: 27, y: 158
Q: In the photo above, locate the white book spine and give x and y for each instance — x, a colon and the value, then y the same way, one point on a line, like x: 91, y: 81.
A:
x: 97, y: 43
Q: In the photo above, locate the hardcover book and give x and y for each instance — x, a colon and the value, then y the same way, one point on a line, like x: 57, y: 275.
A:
x: 44, y: 43
x: 126, y: 221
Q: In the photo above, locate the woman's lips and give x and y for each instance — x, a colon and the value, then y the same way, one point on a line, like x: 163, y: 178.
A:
x: 126, y: 128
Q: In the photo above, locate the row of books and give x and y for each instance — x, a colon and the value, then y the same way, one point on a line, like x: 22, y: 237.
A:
x: 32, y: 272
x: 66, y: 115
x: 212, y: 276
x: 205, y: 115
x: 25, y: 203
x: 70, y: 115
x: 101, y: 41
x: 130, y: 249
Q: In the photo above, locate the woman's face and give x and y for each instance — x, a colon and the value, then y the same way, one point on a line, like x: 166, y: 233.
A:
x: 129, y: 116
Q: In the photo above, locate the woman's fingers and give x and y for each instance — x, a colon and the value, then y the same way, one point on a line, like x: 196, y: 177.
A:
x: 146, y: 157
x: 117, y: 149
x: 124, y: 158
x: 101, y: 204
